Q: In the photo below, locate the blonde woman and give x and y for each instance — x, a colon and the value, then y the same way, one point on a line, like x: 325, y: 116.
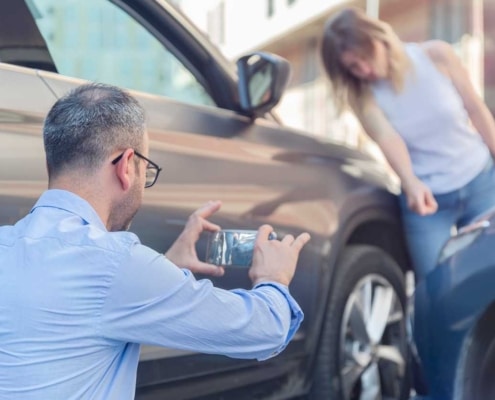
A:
x: 416, y: 101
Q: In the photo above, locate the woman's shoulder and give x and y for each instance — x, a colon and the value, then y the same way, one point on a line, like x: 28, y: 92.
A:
x: 438, y: 51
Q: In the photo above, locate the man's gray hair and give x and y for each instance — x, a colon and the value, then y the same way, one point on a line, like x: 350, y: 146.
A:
x: 86, y: 125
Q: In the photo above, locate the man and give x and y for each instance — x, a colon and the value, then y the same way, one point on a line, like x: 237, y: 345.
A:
x: 79, y: 294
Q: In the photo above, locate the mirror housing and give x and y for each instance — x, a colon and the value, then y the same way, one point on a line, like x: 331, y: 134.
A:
x: 263, y: 77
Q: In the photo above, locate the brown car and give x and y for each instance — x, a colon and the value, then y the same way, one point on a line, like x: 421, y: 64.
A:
x: 213, y: 132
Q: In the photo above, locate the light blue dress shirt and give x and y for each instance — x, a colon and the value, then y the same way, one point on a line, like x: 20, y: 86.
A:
x: 76, y: 302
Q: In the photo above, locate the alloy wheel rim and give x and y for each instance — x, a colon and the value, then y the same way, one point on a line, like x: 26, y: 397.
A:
x: 372, y: 341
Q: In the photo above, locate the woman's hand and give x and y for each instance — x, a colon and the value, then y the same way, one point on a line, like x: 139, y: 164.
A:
x: 420, y: 199
x: 183, y: 251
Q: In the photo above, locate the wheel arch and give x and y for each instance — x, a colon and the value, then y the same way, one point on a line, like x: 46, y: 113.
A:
x: 384, y: 234
x: 374, y: 226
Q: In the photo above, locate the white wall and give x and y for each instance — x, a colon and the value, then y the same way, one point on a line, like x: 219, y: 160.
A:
x: 247, y: 25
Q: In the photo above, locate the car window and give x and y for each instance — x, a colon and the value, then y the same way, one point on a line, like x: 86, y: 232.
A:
x: 98, y: 41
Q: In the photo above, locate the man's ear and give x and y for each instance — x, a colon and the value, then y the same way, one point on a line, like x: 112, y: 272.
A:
x: 125, y: 169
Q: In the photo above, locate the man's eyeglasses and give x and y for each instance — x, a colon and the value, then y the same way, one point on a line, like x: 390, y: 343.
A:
x: 152, y: 169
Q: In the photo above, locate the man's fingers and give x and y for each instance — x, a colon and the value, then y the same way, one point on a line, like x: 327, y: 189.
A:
x: 198, y: 219
x: 213, y: 270
x: 209, y: 208
x: 301, y: 240
x: 264, y: 232
x: 208, y: 269
x: 298, y: 242
x: 288, y: 239
x: 210, y: 226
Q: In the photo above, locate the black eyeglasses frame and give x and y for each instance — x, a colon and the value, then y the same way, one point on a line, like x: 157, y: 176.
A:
x: 150, y: 166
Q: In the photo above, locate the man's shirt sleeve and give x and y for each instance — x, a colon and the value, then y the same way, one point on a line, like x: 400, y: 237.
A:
x: 151, y: 301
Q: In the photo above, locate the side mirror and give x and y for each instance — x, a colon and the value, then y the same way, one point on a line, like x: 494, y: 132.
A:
x: 263, y: 78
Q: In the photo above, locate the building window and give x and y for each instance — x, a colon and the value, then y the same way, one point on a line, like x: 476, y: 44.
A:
x: 270, y: 10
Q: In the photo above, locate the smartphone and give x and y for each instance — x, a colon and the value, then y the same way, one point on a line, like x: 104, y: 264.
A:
x: 232, y: 247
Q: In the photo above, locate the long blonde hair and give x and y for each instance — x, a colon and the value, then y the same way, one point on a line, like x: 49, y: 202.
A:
x: 351, y: 29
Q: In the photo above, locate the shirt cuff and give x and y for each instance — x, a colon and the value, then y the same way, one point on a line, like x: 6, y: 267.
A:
x: 296, y: 313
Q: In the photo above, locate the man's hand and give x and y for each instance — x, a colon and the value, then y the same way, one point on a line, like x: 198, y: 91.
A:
x: 275, y: 260
x: 183, y: 251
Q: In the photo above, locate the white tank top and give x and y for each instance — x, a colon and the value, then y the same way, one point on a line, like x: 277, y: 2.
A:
x: 429, y: 115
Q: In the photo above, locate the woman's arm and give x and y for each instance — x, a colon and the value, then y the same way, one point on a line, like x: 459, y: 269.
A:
x: 444, y: 57
x: 419, y: 196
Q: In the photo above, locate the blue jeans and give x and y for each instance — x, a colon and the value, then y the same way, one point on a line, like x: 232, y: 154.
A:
x: 426, y: 235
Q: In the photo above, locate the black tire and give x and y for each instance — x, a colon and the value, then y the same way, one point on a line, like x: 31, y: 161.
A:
x: 477, y: 381
x: 364, y: 272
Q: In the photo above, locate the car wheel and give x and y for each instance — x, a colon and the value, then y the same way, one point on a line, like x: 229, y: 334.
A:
x: 477, y: 381
x: 363, y: 349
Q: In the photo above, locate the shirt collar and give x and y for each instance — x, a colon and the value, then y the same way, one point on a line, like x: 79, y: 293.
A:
x: 70, y: 202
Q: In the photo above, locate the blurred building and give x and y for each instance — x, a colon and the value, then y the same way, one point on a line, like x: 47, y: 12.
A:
x: 292, y: 29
